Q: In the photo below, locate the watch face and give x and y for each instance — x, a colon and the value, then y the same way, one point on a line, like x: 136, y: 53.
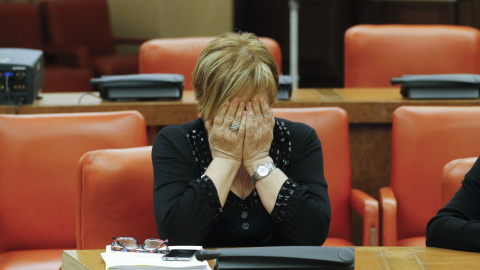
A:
x: 262, y: 170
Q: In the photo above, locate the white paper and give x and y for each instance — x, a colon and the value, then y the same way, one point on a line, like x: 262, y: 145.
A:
x: 131, y: 260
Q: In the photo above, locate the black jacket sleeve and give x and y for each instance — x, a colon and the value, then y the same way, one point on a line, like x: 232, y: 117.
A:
x: 180, y: 197
x: 457, y: 225
x: 307, y: 214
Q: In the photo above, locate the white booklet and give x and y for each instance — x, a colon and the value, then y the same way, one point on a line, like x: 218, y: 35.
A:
x: 139, y: 260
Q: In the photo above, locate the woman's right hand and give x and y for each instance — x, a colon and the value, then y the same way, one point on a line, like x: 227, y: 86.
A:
x: 224, y: 142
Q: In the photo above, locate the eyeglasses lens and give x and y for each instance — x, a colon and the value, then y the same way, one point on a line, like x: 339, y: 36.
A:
x: 128, y: 243
x: 152, y: 244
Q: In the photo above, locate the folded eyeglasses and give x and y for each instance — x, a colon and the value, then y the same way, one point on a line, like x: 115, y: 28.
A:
x: 130, y: 244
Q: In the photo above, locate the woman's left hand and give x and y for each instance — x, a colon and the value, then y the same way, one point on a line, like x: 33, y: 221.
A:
x: 259, y: 133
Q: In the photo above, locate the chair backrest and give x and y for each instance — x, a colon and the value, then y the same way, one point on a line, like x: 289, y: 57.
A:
x: 38, y: 171
x: 115, y: 196
x: 331, y: 125
x: 453, y: 174
x: 20, y: 26
x: 424, y: 139
x: 374, y: 54
x: 84, y: 22
x: 180, y: 55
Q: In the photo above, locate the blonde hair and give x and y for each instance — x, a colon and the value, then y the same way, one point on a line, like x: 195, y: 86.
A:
x: 229, y: 64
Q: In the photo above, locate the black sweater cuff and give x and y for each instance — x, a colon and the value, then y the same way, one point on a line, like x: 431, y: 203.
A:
x: 286, y: 192
x: 213, y: 199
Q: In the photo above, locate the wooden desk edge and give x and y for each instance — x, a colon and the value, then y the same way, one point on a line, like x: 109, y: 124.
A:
x: 363, y: 105
x: 70, y: 259
x: 92, y: 260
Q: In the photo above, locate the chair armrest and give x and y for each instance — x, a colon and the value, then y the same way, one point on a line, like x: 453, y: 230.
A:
x: 367, y: 207
x: 128, y: 40
x: 72, y: 54
x: 389, y: 216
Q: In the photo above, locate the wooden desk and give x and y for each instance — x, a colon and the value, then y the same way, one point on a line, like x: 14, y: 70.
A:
x: 369, y: 109
x: 368, y: 258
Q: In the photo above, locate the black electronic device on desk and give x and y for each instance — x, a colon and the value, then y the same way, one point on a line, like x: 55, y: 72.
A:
x: 439, y: 86
x: 21, y: 75
x: 139, y: 86
x: 284, y: 91
x: 280, y: 257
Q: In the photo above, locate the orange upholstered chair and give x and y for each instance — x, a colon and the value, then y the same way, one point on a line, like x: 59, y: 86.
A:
x: 453, y: 174
x: 331, y: 125
x: 115, y: 196
x: 424, y: 139
x: 87, y: 23
x: 20, y: 28
x: 179, y: 55
x: 38, y: 179
x: 374, y: 54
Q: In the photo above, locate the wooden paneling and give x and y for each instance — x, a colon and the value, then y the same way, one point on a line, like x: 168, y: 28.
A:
x: 321, y: 27
x: 408, y: 12
x: 468, y: 13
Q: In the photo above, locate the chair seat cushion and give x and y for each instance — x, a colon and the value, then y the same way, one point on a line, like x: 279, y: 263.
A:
x: 116, y: 64
x: 418, y: 241
x: 337, y: 242
x: 66, y: 79
x: 40, y: 259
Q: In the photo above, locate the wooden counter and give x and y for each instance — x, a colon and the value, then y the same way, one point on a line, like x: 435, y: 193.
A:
x: 364, y: 105
x: 366, y: 258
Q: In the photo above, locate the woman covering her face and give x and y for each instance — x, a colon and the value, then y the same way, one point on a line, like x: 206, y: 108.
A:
x: 237, y: 176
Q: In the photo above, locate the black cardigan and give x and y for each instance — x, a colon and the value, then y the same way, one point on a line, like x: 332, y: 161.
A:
x: 187, y: 208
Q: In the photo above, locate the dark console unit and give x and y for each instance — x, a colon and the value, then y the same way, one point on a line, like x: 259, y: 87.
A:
x: 21, y: 75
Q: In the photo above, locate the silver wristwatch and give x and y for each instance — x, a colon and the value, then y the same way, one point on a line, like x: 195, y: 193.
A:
x: 262, y: 171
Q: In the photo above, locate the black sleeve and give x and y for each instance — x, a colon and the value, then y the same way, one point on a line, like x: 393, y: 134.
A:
x: 302, y: 210
x: 457, y: 226
x: 185, y: 205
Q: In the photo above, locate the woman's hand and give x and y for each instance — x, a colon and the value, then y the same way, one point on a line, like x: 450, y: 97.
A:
x: 224, y: 142
x: 259, y: 133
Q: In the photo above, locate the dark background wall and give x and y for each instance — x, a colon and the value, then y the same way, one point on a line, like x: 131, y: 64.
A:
x: 322, y: 24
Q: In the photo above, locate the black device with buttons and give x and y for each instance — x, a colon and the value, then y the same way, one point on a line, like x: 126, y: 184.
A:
x: 21, y: 75
x: 439, y: 86
x: 139, y: 87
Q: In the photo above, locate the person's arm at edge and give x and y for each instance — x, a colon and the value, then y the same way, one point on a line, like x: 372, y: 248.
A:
x: 457, y: 225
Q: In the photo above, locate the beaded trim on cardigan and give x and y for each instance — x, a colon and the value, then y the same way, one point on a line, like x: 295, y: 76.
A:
x: 207, y: 184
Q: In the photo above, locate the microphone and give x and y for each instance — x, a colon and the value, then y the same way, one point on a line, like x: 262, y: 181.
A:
x: 203, y: 254
x: 396, y: 81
